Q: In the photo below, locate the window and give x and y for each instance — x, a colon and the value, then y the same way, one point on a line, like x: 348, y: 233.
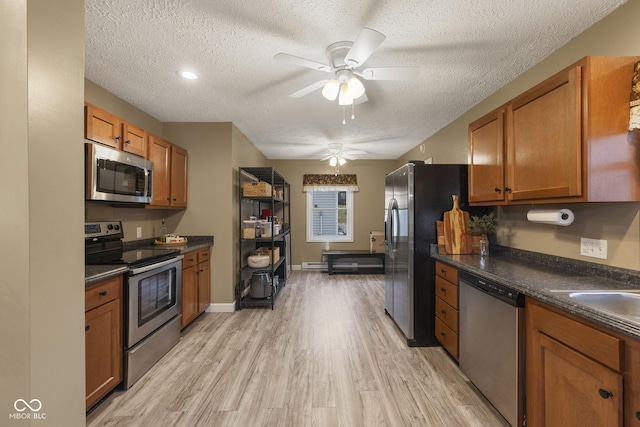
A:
x: 330, y: 216
x: 329, y: 206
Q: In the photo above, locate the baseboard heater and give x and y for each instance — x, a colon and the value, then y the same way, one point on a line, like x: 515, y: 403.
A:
x: 314, y: 266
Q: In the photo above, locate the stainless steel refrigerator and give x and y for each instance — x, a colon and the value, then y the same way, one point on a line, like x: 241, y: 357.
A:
x: 416, y: 196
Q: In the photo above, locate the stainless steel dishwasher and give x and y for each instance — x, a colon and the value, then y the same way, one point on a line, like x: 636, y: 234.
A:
x: 492, y: 343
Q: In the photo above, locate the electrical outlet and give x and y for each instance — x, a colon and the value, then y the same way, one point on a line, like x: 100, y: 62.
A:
x: 593, y: 248
x: 138, y: 232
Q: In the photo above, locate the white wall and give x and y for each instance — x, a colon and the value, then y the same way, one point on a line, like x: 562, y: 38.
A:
x: 42, y: 280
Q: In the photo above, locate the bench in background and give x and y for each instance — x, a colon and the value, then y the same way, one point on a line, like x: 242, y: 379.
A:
x: 332, y: 256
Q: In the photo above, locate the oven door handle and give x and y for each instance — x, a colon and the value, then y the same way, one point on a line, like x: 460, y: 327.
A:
x: 146, y: 268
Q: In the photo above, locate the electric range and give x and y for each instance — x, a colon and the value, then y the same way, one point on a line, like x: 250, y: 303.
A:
x: 103, y: 245
x: 152, y: 295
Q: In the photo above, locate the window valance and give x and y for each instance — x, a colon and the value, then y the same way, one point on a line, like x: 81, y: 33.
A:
x: 329, y: 182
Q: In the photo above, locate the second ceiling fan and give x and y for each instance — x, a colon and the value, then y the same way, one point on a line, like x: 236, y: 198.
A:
x: 345, y: 59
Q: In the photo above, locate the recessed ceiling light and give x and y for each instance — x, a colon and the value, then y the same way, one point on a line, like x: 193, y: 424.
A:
x: 189, y: 75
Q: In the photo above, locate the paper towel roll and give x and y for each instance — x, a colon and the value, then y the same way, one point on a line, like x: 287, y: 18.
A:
x: 551, y: 216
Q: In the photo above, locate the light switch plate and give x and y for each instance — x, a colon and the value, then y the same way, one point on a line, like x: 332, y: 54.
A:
x: 138, y: 232
x: 594, y: 248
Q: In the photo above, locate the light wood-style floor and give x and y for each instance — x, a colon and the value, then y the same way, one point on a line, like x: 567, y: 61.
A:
x: 328, y: 355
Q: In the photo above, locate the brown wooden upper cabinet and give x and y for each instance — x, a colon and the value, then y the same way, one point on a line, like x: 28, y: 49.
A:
x: 486, y: 149
x: 169, y: 173
x: 106, y: 128
x: 102, y: 126
x: 564, y: 140
x: 134, y: 139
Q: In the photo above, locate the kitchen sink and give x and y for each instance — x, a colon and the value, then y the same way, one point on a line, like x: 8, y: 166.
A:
x: 623, y: 303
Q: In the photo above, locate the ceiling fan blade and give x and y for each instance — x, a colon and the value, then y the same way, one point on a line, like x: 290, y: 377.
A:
x: 302, y: 62
x: 327, y: 157
x: 307, y: 90
x: 367, y: 42
x: 347, y: 156
x: 390, y: 73
x: 354, y: 152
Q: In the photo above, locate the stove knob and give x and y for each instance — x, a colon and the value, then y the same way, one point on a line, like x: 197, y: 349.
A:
x: 110, y: 227
x: 117, y: 227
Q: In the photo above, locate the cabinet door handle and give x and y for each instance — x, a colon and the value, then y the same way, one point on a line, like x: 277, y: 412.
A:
x: 103, y: 294
x: 497, y: 190
x: 443, y: 334
x: 605, y: 394
x: 118, y: 138
x: 507, y: 190
x: 201, y: 271
x: 127, y: 142
x: 444, y: 290
x: 87, y: 327
x: 174, y: 199
x: 443, y: 312
x: 444, y: 272
x: 638, y: 415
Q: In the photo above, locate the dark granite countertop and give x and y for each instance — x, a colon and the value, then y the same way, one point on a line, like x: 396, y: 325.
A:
x: 536, y: 275
x: 194, y: 243
x: 96, y: 273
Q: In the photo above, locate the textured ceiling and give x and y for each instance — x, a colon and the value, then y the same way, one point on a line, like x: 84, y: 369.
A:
x: 466, y: 50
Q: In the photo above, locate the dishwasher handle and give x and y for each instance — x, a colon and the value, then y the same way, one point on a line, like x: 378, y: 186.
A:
x: 481, y: 285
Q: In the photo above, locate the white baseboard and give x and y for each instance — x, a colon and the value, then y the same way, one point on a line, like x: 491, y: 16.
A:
x: 228, y: 307
x: 296, y: 267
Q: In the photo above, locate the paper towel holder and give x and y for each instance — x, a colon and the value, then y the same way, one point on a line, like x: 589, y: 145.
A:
x: 562, y: 217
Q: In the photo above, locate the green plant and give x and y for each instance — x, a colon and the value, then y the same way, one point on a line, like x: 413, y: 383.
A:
x: 485, y: 224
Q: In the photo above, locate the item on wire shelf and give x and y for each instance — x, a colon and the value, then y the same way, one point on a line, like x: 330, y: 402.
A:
x: 258, y: 260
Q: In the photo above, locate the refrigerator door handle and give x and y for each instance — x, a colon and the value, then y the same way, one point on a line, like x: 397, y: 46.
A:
x: 392, y: 225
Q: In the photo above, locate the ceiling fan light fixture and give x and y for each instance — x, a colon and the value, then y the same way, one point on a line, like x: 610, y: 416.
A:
x: 355, y: 86
x: 331, y: 89
x: 342, y: 160
x: 333, y: 161
x: 345, y: 97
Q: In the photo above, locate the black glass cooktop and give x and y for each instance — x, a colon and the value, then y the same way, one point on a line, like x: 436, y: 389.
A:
x: 138, y: 257
x: 132, y: 258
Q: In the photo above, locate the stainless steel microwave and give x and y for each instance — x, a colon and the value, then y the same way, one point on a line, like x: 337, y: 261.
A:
x: 117, y: 176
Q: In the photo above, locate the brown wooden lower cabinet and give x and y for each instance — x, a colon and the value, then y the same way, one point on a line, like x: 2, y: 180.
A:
x: 632, y: 383
x: 196, y: 285
x: 579, y: 373
x: 577, y: 390
x: 189, y: 294
x: 204, y: 286
x: 447, y: 338
x: 446, y: 327
x: 103, y: 338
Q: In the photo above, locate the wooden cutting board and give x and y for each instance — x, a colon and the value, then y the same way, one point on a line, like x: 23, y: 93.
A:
x: 442, y: 249
x: 457, y: 237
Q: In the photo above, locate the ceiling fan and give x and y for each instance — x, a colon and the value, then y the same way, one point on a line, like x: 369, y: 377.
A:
x: 338, y: 156
x: 345, y: 59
